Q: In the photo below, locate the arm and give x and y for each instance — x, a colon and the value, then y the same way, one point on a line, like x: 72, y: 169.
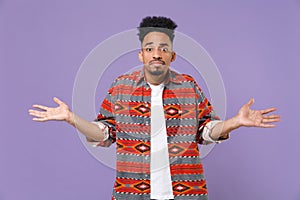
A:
x: 63, y: 113
x: 245, y: 117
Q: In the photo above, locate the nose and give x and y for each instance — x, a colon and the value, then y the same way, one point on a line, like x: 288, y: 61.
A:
x: 156, y: 54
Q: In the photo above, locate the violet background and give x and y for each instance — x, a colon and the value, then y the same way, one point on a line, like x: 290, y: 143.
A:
x: 255, y: 45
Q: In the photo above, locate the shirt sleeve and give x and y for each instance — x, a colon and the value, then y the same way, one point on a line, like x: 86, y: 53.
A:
x: 207, y: 131
x: 205, y: 115
x: 106, y: 120
x: 102, y: 128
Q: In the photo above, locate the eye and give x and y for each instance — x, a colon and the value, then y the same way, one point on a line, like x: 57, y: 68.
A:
x: 149, y: 49
x: 164, y: 49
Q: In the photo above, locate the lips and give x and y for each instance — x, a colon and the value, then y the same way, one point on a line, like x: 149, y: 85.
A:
x: 156, y: 62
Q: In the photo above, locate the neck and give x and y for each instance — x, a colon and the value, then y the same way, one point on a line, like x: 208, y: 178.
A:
x: 155, y: 79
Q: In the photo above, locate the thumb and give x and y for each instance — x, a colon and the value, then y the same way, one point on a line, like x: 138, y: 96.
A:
x: 250, y: 102
x: 58, y: 101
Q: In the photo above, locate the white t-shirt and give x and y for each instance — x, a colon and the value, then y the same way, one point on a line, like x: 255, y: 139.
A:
x: 160, y: 177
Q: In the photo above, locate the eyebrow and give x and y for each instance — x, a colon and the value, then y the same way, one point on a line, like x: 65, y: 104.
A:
x: 161, y: 44
x: 149, y: 43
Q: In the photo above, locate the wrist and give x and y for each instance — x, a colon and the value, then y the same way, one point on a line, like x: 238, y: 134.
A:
x: 70, y: 118
x: 236, y: 123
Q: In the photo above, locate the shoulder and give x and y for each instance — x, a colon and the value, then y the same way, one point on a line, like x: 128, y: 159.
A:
x: 125, y: 80
x: 175, y: 76
x: 130, y: 77
x: 185, y: 80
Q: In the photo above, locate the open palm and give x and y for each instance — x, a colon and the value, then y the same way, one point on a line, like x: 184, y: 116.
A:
x: 61, y: 112
x: 256, y: 118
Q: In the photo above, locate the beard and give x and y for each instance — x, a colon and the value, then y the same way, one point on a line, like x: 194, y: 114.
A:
x: 156, y: 70
x: 156, y: 73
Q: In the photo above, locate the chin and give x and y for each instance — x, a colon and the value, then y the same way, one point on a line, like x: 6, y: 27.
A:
x: 156, y: 73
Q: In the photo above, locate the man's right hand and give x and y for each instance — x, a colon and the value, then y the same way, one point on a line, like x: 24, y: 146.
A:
x: 60, y: 113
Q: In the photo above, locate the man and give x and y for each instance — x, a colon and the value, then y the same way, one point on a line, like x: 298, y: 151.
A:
x: 157, y: 117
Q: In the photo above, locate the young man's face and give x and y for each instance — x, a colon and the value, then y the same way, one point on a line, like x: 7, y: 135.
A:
x: 156, y: 54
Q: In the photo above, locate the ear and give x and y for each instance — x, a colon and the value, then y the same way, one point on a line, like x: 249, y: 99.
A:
x: 173, y: 56
x: 141, y: 56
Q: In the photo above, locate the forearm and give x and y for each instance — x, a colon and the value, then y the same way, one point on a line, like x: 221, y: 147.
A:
x: 89, y: 129
x: 222, y: 129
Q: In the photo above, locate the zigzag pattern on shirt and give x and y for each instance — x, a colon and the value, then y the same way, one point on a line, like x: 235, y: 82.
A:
x: 126, y: 110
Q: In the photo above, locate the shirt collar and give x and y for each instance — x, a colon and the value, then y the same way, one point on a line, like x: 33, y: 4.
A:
x: 172, y: 76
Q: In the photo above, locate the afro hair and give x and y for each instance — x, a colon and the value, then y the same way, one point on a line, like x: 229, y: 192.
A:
x: 156, y: 24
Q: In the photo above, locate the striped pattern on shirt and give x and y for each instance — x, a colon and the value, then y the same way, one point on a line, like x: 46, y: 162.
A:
x: 126, y: 111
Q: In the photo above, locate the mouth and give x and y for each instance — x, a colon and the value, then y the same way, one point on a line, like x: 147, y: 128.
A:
x: 156, y: 62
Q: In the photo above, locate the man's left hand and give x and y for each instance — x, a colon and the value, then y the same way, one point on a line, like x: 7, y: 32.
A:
x: 256, y: 118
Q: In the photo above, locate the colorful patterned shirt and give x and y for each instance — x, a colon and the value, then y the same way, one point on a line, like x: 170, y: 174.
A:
x: 126, y: 111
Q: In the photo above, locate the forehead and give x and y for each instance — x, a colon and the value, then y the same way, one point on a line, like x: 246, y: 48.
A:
x: 156, y: 38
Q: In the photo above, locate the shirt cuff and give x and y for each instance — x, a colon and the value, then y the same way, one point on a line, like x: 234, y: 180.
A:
x: 103, y: 128
x: 207, y: 131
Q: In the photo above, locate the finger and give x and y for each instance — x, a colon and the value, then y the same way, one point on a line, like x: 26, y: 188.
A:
x: 250, y: 102
x: 270, y: 120
x: 39, y: 119
x: 40, y: 107
x: 32, y: 110
x: 58, y: 101
x: 271, y: 117
x: 267, y: 125
x: 268, y: 110
x: 37, y: 113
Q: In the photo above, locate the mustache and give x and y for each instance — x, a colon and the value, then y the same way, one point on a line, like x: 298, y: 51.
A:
x: 157, y: 62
